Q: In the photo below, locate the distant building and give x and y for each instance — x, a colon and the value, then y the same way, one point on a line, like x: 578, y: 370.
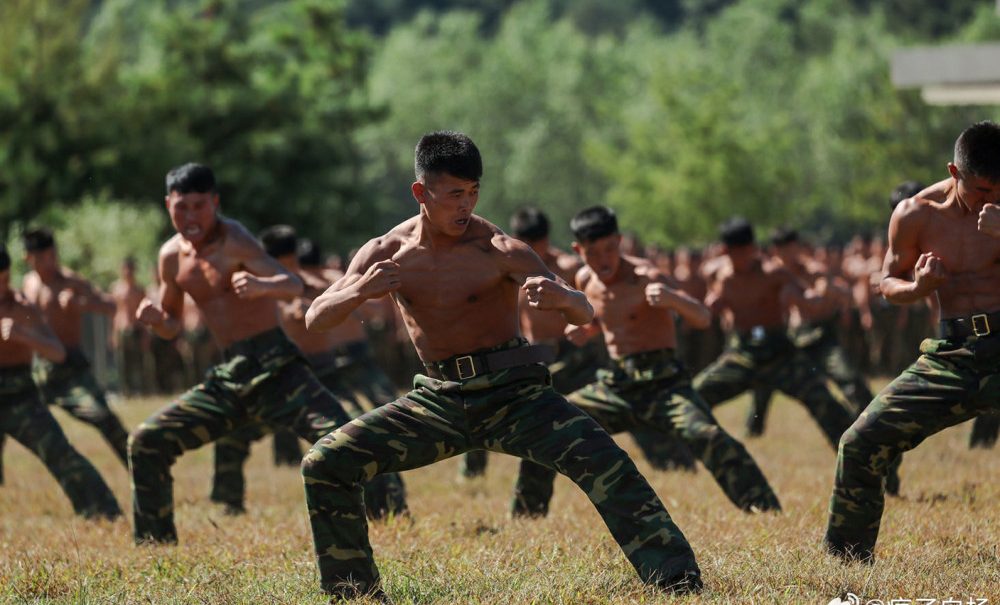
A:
x: 965, y: 74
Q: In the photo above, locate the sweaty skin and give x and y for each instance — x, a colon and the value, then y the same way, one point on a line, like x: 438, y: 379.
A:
x: 454, y: 277
x: 947, y: 237
x: 231, y: 279
x: 62, y: 296
x: 23, y: 330
x: 755, y: 292
x: 634, y: 306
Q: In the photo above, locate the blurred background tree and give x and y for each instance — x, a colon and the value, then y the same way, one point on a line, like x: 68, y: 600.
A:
x: 678, y: 113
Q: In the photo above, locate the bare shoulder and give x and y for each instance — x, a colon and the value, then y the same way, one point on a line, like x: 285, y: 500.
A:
x: 238, y: 240
x: 384, y: 247
x: 171, y: 248
x: 583, y: 277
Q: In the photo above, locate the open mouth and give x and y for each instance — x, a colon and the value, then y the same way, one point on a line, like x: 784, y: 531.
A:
x: 192, y: 230
x: 462, y: 221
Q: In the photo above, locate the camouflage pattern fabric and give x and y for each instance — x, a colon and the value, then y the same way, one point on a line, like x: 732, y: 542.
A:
x: 768, y: 358
x: 72, y: 386
x: 29, y: 422
x: 653, y: 390
x: 513, y: 411
x: 949, y: 383
x: 818, y: 346
x: 132, y: 361
x: 358, y: 385
x: 573, y: 368
x: 264, y: 380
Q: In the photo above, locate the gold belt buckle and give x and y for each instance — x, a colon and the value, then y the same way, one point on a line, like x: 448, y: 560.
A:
x: 472, y: 367
x: 985, y: 322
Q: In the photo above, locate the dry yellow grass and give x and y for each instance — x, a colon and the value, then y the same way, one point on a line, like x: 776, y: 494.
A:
x: 939, y: 541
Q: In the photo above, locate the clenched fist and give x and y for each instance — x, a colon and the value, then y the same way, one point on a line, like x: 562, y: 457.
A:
x: 543, y: 293
x: 149, y: 313
x: 989, y: 220
x: 929, y: 273
x: 247, y: 285
x: 659, y: 295
x: 380, y: 279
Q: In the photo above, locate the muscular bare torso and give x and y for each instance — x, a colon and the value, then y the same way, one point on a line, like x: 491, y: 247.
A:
x: 455, y: 298
x: 57, y: 300
x: 630, y: 325
x: 206, y: 275
x: 970, y: 257
x: 754, y: 298
x: 12, y: 352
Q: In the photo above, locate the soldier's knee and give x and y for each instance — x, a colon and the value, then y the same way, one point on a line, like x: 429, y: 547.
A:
x: 146, y: 439
x: 329, y: 466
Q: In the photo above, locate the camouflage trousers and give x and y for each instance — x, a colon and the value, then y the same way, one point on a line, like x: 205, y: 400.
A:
x: 513, y: 411
x: 357, y: 383
x: 653, y: 390
x: 72, y: 386
x: 264, y: 380
x: 770, y: 359
x: 818, y: 346
x: 30, y: 423
x: 132, y: 361
x: 949, y: 383
x: 573, y: 369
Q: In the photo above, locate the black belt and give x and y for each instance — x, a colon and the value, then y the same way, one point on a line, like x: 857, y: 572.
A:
x: 979, y: 325
x: 464, y: 367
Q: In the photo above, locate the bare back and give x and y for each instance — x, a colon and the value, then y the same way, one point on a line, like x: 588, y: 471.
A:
x: 206, y: 276
x: 630, y: 325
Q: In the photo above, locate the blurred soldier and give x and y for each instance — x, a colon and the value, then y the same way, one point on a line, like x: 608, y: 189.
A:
x: 63, y: 298
x: 341, y: 360
x: 760, y: 353
x: 23, y: 416
x: 455, y: 278
x: 129, y: 339
x: 645, y: 384
x: 943, y: 241
x: 264, y: 378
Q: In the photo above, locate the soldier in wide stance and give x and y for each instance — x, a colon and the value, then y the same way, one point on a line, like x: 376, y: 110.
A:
x: 455, y: 278
x: 943, y: 241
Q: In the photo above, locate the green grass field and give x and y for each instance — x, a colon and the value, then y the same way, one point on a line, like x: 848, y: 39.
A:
x: 940, y: 540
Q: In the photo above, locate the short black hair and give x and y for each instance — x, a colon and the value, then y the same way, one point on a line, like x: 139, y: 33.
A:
x: 782, y: 236
x: 38, y: 239
x: 594, y: 223
x: 279, y: 240
x: 309, y: 253
x: 191, y: 178
x: 903, y: 191
x: 529, y: 224
x: 448, y: 152
x: 4, y: 257
x: 977, y: 150
x: 737, y: 231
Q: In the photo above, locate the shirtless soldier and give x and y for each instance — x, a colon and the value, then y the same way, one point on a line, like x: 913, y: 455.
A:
x: 264, y: 377
x: 63, y: 298
x: 455, y: 278
x: 23, y: 416
x: 944, y: 241
x: 131, y: 350
x: 760, y: 353
x: 645, y: 384
x: 340, y: 359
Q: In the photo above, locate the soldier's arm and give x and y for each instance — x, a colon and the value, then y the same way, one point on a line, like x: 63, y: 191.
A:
x: 908, y: 275
x: 263, y: 276
x: 165, y: 318
x: 545, y: 290
x: 89, y: 299
x: 372, y: 274
x: 663, y: 291
x: 33, y: 332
